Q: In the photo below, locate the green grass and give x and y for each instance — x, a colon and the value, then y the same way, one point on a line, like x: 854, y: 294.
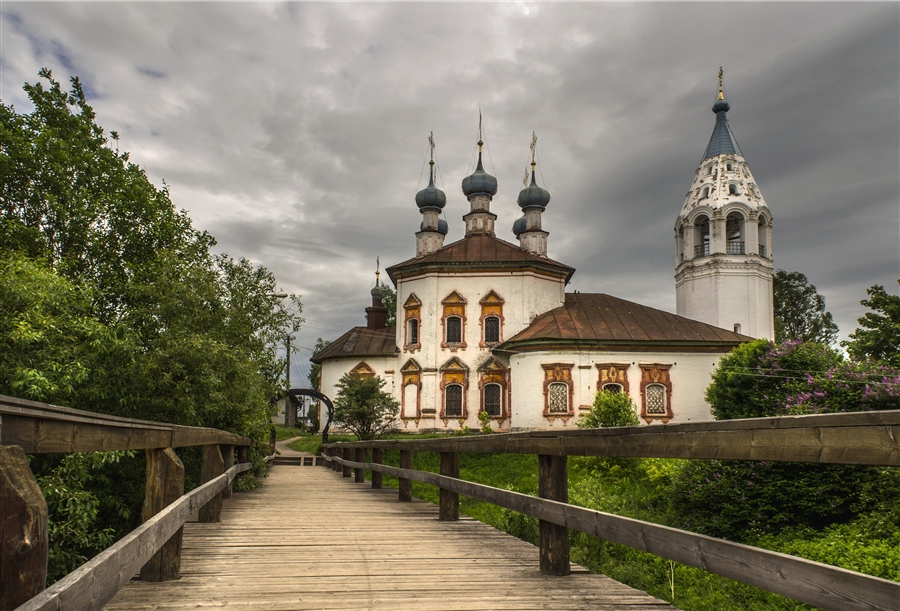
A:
x: 284, y: 432
x: 639, y: 488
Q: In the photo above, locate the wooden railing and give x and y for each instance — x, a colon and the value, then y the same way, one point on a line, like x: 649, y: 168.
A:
x: 154, y: 548
x: 866, y: 438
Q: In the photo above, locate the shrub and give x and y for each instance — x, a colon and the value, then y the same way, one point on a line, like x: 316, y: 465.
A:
x: 610, y: 409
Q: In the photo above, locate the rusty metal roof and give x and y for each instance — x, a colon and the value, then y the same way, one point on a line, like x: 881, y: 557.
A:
x: 360, y: 342
x: 480, y: 251
x: 592, y: 319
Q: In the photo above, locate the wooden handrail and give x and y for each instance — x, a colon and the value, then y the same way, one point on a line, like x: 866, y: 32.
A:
x: 41, y: 428
x: 860, y: 438
x: 35, y: 428
x: 863, y: 438
x: 811, y: 582
x: 94, y: 583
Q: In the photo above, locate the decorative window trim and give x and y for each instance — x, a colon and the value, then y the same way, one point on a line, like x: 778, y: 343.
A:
x: 493, y: 372
x: 558, y: 373
x: 363, y: 369
x: 453, y: 305
x: 491, y: 305
x: 411, y: 374
x: 656, y: 373
x: 412, y: 310
x: 613, y: 373
x: 454, y: 371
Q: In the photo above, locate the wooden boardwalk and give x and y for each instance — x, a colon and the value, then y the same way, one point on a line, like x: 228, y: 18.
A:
x: 309, y: 539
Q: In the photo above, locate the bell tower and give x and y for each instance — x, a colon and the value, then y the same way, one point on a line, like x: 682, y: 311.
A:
x: 723, y: 240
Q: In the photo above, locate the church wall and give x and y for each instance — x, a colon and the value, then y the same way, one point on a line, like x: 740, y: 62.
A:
x: 333, y: 369
x: 689, y: 375
x: 525, y: 295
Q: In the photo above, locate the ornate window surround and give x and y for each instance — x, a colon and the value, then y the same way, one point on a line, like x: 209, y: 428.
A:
x: 491, y: 305
x: 493, y: 372
x: 612, y: 373
x: 363, y: 369
x: 453, y: 305
x: 454, y: 371
x: 558, y: 373
x: 656, y: 373
x: 411, y: 373
x: 412, y: 310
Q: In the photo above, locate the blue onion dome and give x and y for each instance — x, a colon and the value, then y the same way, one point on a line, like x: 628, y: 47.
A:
x: 533, y: 196
x: 431, y: 196
x: 441, y: 228
x: 519, y: 226
x: 479, y: 182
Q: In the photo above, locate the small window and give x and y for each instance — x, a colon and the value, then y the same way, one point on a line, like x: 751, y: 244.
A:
x: 616, y: 388
x: 559, y: 398
x: 709, y: 170
x: 729, y: 167
x: 656, y: 399
x: 491, y: 330
x: 413, y: 332
x: 492, y: 399
x: 454, y: 330
x: 453, y: 401
x: 705, y: 193
x: 737, y: 327
x: 733, y: 189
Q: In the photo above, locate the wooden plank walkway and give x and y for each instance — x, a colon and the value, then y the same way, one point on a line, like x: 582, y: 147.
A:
x: 309, y: 539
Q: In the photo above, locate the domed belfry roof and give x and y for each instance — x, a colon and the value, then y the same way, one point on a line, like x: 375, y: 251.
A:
x: 479, y: 182
x: 722, y: 141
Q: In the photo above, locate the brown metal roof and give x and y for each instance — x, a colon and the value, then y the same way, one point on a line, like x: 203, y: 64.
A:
x: 480, y: 251
x: 360, y: 342
x: 595, y: 318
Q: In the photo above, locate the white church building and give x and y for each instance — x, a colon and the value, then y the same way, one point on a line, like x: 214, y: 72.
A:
x: 484, y: 324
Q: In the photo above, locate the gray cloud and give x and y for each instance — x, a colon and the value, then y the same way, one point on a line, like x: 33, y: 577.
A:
x: 296, y: 132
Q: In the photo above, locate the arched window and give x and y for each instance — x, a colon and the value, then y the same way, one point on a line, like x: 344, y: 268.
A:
x: 701, y: 236
x: 412, y: 331
x: 733, y: 189
x: 454, y: 330
x: 656, y: 399
x: 709, y: 170
x: 453, y: 405
x: 737, y: 327
x: 616, y: 388
x: 491, y: 330
x: 558, y: 398
x: 764, y: 238
x: 734, y: 233
x: 704, y: 193
x: 492, y: 399
x: 729, y: 167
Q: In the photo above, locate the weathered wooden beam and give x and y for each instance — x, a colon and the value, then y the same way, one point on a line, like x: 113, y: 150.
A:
x: 94, y: 583
x: 228, y: 460
x: 377, y: 458
x: 449, y: 508
x: 553, y: 484
x: 165, y: 485
x: 348, y: 455
x: 211, y: 467
x: 23, y: 530
x: 359, y: 474
x: 814, y: 583
x: 864, y: 438
x: 404, y: 484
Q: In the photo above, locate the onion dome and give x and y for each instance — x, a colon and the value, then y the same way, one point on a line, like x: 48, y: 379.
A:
x: 378, y: 290
x: 479, y: 182
x: 441, y: 226
x: 533, y: 196
x: 431, y: 196
x: 519, y: 226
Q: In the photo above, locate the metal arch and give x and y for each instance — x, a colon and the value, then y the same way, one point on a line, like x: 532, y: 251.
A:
x: 315, y: 394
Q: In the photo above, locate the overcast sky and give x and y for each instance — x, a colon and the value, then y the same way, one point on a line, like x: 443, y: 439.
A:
x: 297, y: 133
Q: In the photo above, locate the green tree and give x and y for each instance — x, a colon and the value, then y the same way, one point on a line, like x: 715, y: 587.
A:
x: 389, y: 301
x: 363, y: 407
x: 800, y: 311
x: 610, y: 409
x: 878, y: 334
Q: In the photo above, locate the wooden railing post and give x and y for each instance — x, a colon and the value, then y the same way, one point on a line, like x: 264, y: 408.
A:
x: 23, y: 531
x: 404, y: 486
x: 377, y: 458
x: 334, y: 464
x: 165, y: 484
x: 449, y: 511
x: 553, y: 484
x: 212, y: 467
x: 358, y: 472
x: 348, y: 455
x: 243, y: 453
x: 228, y: 460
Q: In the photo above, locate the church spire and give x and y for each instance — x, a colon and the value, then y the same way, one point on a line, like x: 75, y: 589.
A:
x: 431, y: 201
x: 479, y: 188
x: 532, y: 200
x: 376, y: 315
x: 722, y: 141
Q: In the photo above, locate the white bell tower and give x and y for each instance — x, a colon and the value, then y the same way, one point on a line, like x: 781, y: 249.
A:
x: 723, y: 240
